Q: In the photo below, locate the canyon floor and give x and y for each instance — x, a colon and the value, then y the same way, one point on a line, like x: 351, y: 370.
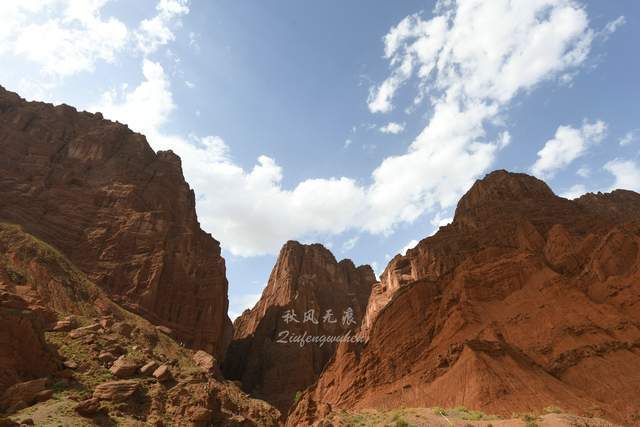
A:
x: 459, y: 417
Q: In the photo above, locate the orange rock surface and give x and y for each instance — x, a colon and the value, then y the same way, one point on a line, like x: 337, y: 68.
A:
x: 122, y: 213
x: 526, y: 300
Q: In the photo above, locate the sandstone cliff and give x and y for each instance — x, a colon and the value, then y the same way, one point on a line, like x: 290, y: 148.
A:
x: 526, y: 300
x: 305, y: 277
x: 123, y: 214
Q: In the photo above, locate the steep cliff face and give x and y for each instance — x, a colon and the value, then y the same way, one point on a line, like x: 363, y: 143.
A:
x: 526, y: 300
x: 123, y: 214
x: 305, y: 279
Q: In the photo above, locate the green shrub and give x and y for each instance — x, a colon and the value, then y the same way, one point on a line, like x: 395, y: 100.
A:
x: 15, y: 277
x: 439, y: 411
x: 530, y: 420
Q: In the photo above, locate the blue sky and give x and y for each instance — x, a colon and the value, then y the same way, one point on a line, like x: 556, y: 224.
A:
x: 355, y: 124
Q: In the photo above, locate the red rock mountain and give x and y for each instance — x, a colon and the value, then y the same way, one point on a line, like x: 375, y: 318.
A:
x: 122, y: 213
x: 525, y: 300
x: 305, y: 277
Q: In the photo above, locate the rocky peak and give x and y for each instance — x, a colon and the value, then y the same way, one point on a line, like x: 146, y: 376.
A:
x: 307, y: 271
x: 500, y: 187
x: 305, y: 278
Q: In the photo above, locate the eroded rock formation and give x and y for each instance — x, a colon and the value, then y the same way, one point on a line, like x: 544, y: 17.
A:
x: 305, y: 279
x: 123, y: 214
x: 526, y: 300
x: 63, y: 342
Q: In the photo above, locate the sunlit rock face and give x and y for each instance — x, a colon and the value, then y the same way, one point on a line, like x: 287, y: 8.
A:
x: 524, y: 301
x: 122, y: 213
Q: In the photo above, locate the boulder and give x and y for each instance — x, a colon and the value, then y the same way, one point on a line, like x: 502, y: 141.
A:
x: 162, y: 373
x: 123, y: 329
x: 164, y: 330
x: 88, y: 407
x: 43, y: 396
x: 116, y: 391
x: 124, y: 367
x: 106, y: 357
x: 84, y: 331
x: 63, y: 326
x: 204, y: 360
x: 106, y: 322
x: 25, y: 392
x: 70, y: 364
x: 201, y: 415
x: 149, y: 368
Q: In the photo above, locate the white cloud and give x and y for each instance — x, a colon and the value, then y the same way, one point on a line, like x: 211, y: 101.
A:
x: 486, y: 49
x: 247, y: 210
x: 157, y: 31
x: 471, y: 61
x: 628, y: 138
x: 410, y: 245
x: 347, y: 143
x: 393, y: 128
x: 44, y: 42
x: 375, y: 268
x: 626, y: 173
x: 504, y: 139
x: 147, y: 107
x: 240, y: 303
x: 350, y: 243
x: 63, y: 37
x: 567, y: 145
x: 193, y: 41
x: 439, y: 221
x: 612, y: 26
x: 574, y: 192
x: 584, y: 172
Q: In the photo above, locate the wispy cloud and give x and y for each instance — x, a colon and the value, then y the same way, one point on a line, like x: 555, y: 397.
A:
x: 626, y: 173
x: 628, y: 138
x: 410, y: 245
x: 240, y: 303
x: 350, y: 243
x: 393, y: 128
x: 158, y: 31
x: 567, y: 145
x: 574, y: 192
